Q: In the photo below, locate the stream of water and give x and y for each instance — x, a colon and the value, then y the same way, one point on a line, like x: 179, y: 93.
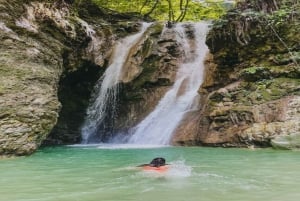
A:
x: 159, y: 125
x: 106, y: 89
x: 109, y: 173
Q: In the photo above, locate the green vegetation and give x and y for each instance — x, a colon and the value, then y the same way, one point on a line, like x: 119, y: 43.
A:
x: 256, y: 73
x: 269, y: 15
x: 168, y: 10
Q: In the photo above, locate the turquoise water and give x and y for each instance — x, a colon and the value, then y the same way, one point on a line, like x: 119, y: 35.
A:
x: 109, y: 174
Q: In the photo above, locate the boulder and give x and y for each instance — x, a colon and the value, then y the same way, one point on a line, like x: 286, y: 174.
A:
x: 291, y: 141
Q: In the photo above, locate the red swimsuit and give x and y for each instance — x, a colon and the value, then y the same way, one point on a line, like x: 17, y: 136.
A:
x: 158, y: 169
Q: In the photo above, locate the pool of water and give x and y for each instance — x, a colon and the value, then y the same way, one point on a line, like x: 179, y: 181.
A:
x: 109, y: 173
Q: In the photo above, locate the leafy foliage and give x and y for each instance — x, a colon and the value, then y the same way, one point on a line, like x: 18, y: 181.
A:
x: 171, y: 10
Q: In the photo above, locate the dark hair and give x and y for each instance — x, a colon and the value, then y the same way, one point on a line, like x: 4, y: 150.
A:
x: 156, y: 162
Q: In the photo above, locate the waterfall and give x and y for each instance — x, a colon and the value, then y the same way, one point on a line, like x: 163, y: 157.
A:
x: 157, y: 128
x: 106, y: 89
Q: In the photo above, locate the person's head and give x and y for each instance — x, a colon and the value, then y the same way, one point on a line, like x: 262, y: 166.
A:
x: 156, y: 162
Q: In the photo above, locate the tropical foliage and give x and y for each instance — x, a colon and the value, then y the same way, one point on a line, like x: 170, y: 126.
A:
x: 171, y: 10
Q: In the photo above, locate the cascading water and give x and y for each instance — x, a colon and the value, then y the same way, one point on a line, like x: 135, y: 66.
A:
x: 157, y: 128
x: 106, y: 88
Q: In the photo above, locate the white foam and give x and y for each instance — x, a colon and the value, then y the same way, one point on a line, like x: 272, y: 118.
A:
x: 129, y: 146
x: 117, y: 146
x: 178, y: 169
x: 83, y: 145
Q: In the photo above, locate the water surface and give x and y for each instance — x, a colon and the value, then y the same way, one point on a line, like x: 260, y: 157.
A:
x: 109, y: 173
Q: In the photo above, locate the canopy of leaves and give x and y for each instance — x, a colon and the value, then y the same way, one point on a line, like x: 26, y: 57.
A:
x: 172, y: 10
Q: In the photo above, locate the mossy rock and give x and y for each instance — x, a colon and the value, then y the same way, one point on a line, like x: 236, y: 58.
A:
x: 253, y: 74
x: 267, y: 90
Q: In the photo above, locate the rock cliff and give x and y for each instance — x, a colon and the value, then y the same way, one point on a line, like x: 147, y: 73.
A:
x: 52, y: 54
x: 30, y: 68
x: 54, y: 51
x: 251, y: 93
x: 42, y: 42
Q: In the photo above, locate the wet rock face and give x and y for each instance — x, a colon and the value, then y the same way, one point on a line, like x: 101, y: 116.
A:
x: 251, y: 92
x: 29, y: 75
x: 42, y: 43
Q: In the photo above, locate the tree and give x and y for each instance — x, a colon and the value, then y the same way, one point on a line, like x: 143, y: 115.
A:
x: 183, y: 10
x: 152, y: 8
x: 168, y: 10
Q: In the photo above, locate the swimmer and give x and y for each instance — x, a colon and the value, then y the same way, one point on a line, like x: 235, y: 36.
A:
x: 157, y: 164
